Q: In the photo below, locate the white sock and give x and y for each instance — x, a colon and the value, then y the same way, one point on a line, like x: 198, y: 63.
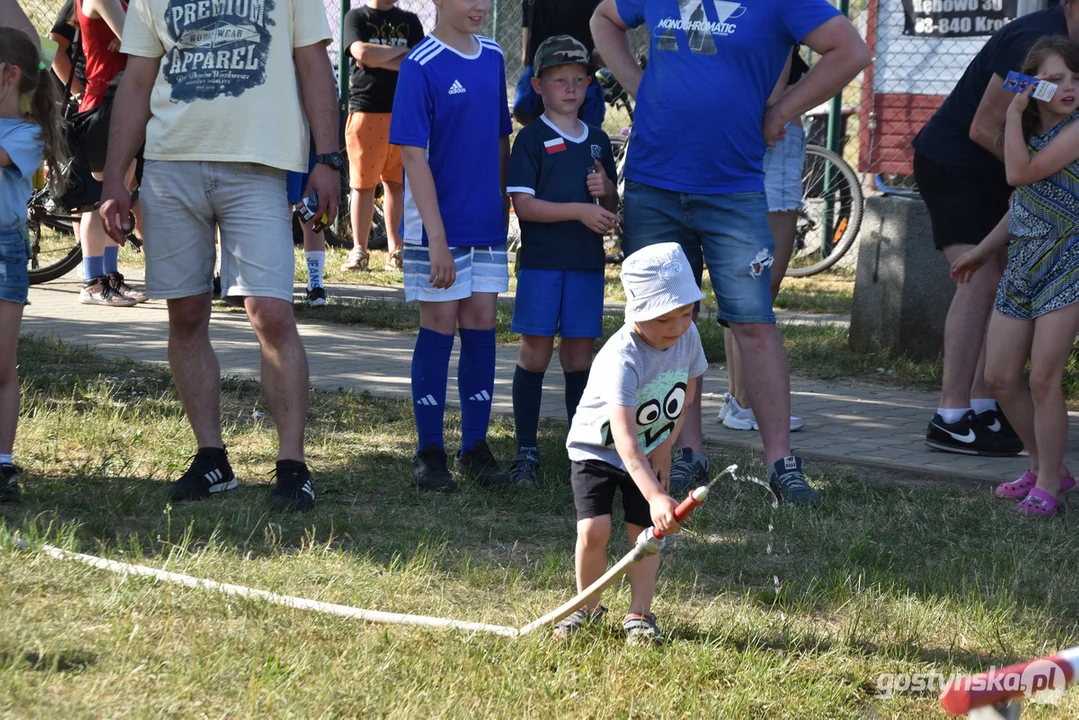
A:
x: 981, y: 405
x: 6, y: 460
x: 316, y: 261
x: 952, y: 415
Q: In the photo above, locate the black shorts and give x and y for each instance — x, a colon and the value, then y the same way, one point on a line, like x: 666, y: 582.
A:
x: 594, y: 483
x: 964, y: 204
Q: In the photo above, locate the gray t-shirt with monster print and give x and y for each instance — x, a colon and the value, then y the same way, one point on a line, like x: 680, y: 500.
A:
x: 628, y: 371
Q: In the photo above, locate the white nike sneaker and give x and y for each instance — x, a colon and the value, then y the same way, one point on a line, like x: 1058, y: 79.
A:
x: 740, y: 418
x: 726, y: 406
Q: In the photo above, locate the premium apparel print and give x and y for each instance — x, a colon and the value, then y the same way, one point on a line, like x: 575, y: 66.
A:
x: 222, y: 47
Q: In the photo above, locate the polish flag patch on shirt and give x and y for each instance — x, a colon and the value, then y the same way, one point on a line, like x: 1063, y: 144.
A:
x: 555, y: 146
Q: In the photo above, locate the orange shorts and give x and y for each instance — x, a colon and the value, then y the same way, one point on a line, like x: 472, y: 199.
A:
x: 371, y: 158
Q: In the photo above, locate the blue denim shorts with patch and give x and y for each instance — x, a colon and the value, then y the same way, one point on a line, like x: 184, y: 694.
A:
x: 14, y: 254
x: 729, y: 232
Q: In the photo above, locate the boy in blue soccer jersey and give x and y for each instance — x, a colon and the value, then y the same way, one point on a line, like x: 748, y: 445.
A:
x: 451, y: 119
x: 562, y: 180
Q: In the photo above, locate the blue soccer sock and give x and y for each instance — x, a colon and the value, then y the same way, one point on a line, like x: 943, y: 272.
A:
x: 430, y: 370
x: 476, y: 384
x: 527, y: 394
x: 93, y: 267
x: 112, y: 259
x: 575, y: 384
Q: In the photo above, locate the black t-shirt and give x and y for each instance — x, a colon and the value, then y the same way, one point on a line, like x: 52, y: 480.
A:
x: 372, y: 89
x: 553, y: 167
x: 546, y: 18
x: 946, y: 137
x: 70, y: 32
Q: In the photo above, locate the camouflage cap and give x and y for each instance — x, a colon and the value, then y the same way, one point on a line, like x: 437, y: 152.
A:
x: 560, y: 50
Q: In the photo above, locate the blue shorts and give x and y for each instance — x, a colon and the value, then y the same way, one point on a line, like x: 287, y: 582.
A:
x: 296, y: 182
x: 783, y: 168
x: 559, y: 302
x: 729, y: 232
x: 14, y: 255
x: 592, y: 112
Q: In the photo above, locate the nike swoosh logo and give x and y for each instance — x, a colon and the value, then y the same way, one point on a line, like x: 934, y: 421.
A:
x: 995, y: 427
x: 968, y: 438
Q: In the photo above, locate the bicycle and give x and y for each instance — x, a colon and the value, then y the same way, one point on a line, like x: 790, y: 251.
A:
x: 830, y: 214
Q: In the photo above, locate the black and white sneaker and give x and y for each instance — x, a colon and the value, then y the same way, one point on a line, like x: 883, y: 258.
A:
x: 294, y: 490
x: 480, y: 464
x: 209, y: 474
x: 430, y: 470
x: 1007, y: 441
x: 968, y: 436
x: 9, y: 483
x: 316, y: 297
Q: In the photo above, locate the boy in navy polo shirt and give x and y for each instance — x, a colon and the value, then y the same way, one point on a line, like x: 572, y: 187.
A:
x: 451, y: 119
x: 561, y: 178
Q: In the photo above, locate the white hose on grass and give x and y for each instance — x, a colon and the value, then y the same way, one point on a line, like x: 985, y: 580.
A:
x: 645, y: 546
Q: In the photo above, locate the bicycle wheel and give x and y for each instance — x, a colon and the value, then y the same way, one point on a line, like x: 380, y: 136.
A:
x: 612, y: 241
x: 54, y: 248
x: 830, y: 215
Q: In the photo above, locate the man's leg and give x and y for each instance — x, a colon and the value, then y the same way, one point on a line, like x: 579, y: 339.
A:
x: 766, y: 375
x: 363, y: 179
x: 964, y: 333
x: 654, y: 215
x: 195, y: 369
x: 284, y: 371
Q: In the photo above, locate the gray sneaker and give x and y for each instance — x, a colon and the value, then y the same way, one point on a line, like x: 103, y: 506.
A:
x: 578, y: 620
x: 642, y: 630
x: 688, y: 472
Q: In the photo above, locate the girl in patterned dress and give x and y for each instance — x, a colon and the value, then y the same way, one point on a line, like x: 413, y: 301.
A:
x: 1037, y: 307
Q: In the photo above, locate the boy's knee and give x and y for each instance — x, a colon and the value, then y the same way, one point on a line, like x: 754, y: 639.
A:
x: 594, y: 532
x: 575, y: 354
x: 535, y: 353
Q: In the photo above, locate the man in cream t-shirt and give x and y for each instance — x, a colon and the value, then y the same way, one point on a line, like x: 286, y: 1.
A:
x: 221, y: 92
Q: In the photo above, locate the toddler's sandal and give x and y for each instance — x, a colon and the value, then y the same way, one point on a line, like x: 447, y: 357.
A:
x: 1039, y: 504
x: 1018, y: 489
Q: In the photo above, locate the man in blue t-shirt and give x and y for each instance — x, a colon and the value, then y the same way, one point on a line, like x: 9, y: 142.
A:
x: 958, y: 163
x: 695, y: 172
x: 451, y: 119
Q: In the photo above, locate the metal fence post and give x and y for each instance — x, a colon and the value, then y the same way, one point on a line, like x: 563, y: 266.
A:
x: 835, y: 139
x: 342, y: 63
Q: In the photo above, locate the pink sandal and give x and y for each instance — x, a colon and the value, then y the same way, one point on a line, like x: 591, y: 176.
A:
x: 1018, y: 489
x: 1039, y: 504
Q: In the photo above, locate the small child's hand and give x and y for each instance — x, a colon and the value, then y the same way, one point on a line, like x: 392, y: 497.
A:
x: 598, y: 219
x: 662, y: 509
x: 660, y: 459
x: 1022, y: 99
x: 599, y: 185
x: 967, y: 265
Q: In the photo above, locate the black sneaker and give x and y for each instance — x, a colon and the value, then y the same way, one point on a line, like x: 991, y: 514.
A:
x: 969, y: 436
x: 788, y: 482
x: 1006, y: 438
x: 294, y: 490
x: 479, y: 464
x: 9, y: 484
x: 430, y: 471
x: 209, y: 474
x: 524, y: 469
x: 316, y: 297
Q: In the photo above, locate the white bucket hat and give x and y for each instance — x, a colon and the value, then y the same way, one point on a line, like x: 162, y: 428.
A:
x: 658, y: 280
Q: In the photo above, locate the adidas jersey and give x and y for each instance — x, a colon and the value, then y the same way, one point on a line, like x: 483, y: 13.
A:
x: 455, y: 106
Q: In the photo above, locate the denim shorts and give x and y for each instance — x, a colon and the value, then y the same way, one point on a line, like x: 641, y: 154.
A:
x: 783, y: 167
x: 185, y: 202
x: 14, y: 254
x: 559, y: 302
x: 729, y: 232
x: 479, y: 270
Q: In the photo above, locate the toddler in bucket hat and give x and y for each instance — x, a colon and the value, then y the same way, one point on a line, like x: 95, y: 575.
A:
x: 658, y: 280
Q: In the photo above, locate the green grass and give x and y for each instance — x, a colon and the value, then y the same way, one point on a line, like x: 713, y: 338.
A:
x: 878, y: 579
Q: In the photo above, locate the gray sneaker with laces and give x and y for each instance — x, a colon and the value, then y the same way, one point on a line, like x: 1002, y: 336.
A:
x: 688, y: 471
x: 578, y: 620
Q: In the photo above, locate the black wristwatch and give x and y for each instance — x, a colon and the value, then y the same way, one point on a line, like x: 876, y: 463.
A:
x: 334, y: 160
